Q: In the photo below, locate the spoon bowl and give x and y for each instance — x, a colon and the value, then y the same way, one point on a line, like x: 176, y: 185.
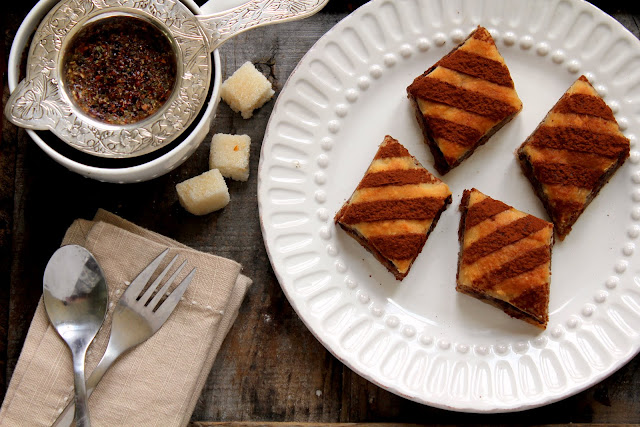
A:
x: 75, y: 298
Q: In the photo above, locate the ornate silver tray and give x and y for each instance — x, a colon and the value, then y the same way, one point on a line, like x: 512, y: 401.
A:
x: 41, y: 101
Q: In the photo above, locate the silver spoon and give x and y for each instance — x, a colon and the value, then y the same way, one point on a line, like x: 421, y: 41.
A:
x: 76, y: 298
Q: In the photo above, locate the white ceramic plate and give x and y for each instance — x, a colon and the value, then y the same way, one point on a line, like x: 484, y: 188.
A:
x: 419, y: 338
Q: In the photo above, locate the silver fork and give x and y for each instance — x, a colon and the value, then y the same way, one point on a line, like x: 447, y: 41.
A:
x: 134, y: 320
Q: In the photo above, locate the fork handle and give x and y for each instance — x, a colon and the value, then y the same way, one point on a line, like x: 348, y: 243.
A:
x: 66, y: 417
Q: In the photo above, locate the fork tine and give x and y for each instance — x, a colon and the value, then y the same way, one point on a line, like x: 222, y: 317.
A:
x: 147, y: 295
x: 166, y: 308
x: 166, y: 286
x: 137, y: 285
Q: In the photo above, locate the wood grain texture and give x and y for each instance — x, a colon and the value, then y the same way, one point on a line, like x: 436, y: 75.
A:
x: 7, y: 164
x: 270, y: 368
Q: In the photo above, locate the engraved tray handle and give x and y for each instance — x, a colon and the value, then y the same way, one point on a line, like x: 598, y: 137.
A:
x: 223, y: 25
x: 36, y: 104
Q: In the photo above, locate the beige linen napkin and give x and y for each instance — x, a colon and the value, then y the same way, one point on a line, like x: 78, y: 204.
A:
x: 157, y: 383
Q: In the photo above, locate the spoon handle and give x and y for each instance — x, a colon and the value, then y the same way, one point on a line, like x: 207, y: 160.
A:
x: 82, y: 409
x: 65, y: 419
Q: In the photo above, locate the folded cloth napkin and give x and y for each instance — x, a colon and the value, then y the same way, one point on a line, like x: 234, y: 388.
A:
x: 158, y: 382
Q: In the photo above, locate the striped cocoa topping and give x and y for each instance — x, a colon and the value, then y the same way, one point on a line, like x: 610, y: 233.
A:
x: 458, y: 97
x: 565, y: 174
x: 391, y: 149
x: 483, y: 210
x: 463, y: 99
x: 399, y: 246
x: 573, y: 150
x: 515, y: 279
x: 381, y: 224
x: 482, y: 34
x: 515, y: 267
x: 397, y: 177
x: 580, y: 140
x: 452, y: 131
x: 537, y: 302
x: 579, y: 103
x: 563, y: 205
x: 384, y: 210
x: 477, y: 66
x: 504, y: 236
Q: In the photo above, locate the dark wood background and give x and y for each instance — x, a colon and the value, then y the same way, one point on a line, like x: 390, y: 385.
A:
x: 270, y: 367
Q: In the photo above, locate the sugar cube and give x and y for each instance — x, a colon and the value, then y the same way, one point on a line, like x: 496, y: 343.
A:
x: 230, y: 155
x: 246, y: 90
x: 204, y: 193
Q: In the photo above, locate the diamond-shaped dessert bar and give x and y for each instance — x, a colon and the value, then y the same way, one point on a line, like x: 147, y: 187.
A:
x: 573, y: 153
x: 394, y: 208
x: 505, y: 257
x: 462, y: 100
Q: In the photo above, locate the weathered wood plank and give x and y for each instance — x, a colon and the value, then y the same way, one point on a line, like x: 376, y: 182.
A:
x: 283, y: 368
x: 7, y: 165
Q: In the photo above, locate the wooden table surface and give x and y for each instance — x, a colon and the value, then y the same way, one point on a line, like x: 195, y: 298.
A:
x: 270, y: 368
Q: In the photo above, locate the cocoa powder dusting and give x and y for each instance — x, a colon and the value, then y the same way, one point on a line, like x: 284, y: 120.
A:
x: 481, y: 33
x: 563, y: 214
x: 580, y: 140
x: 579, y: 103
x: 522, y: 264
x: 391, y: 148
x: 465, y: 136
x: 426, y: 87
x: 384, y: 210
x: 477, y: 66
x: 566, y: 174
x: 400, y: 246
x: 483, y: 210
x: 535, y: 301
x: 503, y: 236
x: 397, y: 177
